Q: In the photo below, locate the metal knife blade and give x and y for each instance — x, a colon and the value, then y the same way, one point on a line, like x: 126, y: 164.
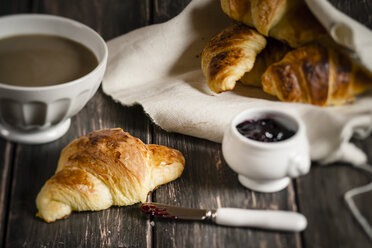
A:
x: 265, y: 219
x: 173, y: 212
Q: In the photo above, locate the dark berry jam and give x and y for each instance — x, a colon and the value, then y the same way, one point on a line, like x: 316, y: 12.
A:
x: 156, y: 211
x: 264, y: 130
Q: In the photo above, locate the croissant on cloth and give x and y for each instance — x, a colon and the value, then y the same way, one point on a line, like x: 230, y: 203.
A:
x: 316, y: 74
x: 273, y: 52
x: 105, y: 168
x: 289, y: 21
x: 229, y: 55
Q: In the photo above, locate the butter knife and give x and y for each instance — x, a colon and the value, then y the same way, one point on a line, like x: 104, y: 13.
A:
x: 264, y: 219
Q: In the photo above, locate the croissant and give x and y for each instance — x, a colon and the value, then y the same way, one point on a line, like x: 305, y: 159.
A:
x: 316, y: 74
x: 105, y: 168
x: 230, y: 54
x: 289, y: 21
x: 273, y: 52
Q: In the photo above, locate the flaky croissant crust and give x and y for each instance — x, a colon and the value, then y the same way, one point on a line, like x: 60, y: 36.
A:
x: 311, y: 73
x: 105, y: 168
x: 316, y: 74
x: 230, y: 54
x: 289, y: 21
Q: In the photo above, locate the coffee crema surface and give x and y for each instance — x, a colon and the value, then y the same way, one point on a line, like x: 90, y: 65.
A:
x: 41, y: 60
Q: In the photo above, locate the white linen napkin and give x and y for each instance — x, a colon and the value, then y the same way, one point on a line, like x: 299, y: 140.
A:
x: 158, y: 66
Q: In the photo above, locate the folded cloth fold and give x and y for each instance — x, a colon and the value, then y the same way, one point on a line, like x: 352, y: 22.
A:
x: 158, y: 66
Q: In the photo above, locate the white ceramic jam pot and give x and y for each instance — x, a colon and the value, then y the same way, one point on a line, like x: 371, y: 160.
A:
x: 267, y: 166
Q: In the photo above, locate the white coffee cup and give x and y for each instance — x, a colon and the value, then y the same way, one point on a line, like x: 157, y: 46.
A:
x: 267, y: 166
x: 36, y: 115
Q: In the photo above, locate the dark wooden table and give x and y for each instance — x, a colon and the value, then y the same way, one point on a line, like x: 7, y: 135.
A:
x: 206, y: 182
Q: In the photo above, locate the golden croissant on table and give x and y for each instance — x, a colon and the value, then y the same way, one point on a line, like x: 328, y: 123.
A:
x: 106, y: 168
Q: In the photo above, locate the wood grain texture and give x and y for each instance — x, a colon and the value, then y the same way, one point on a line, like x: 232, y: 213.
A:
x: 321, y: 192
x: 208, y: 182
x: 360, y: 10
x: 331, y: 223
x: 115, y: 227
x: 15, y: 6
x: 110, y: 18
x: 363, y: 201
x: 6, y: 148
x: 164, y: 10
x: 6, y: 159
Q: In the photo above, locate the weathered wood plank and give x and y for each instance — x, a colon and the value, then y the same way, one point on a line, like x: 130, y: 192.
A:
x: 321, y: 200
x: 364, y: 201
x: 321, y: 193
x: 164, y: 10
x: 208, y: 182
x: 115, y: 227
x: 6, y: 159
x: 15, y: 6
x: 359, y: 10
x: 6, y: 148
x: 110, y: 18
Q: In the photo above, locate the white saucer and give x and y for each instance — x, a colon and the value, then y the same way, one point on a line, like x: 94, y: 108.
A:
x: 38, y: 136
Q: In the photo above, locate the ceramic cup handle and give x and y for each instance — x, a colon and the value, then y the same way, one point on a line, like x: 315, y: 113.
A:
x: 298, y: 165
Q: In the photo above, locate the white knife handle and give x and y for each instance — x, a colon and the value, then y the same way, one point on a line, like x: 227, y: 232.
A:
x: 265, y: 219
